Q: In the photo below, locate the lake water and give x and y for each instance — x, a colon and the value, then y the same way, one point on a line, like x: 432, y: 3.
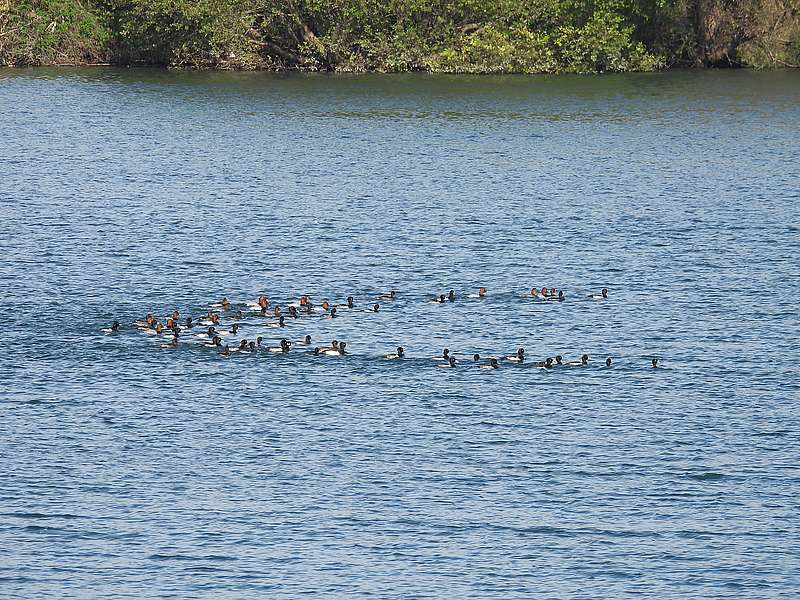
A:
x: 128, y: 470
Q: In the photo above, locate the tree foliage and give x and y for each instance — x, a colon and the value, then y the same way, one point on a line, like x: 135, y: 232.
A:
x: 472, y: 36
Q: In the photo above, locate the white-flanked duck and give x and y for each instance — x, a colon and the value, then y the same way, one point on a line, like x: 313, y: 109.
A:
x: 400, y: 353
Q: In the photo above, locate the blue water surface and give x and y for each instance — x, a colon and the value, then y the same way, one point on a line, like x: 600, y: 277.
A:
x: 128, y: 470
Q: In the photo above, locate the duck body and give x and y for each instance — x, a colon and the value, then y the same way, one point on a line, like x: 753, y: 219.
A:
x: 400, y: 353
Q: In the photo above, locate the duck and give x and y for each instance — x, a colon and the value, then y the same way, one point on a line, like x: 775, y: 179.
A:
x: 545, y: 364
x: 339, y: 351
x: 476, y: 357
x: 348, y: 304
x: 303, y: 342
x: 535, y: 294
x: 559, y: 359
x: 215, y: 341
x: 251, y: 346
x: 441, y: 299
x: 579, y: 363
x: 559, y: 297
x: 608, y: 361
x: 210, y: 333
x: 277, y: 311
x: 654, y: 362
x: 481, y: 293
x: 284, y: 347
x: 176, y: 315
x: 232, y: 331
x: 518, y: 357
x: 450, y: 364
x: 332, y: 314
x: 376, y: 307
x: 113, y: 329
x: 386, y: 296
x: 281, y: 323
x: 146, y: 322
x: 157, y: 329
x: 293, y: 312
x: 445, y: 356
x: 300, y: 302
x: 334, y: 346
x: 603, y: 294
x: 226, y: 351
x: 400, y: 353
x: 258, y: 341
x: 241, y: 348
x: 451, y: 295
x: 492, y: 364
x: 173, y: 343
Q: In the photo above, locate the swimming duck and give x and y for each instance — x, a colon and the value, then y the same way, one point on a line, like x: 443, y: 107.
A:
x: 545, y: 364
x: 332, y: 313
x: 233, y: 330
x: 654, y: 362
x: 492, y: 364
x: 559, y: 359
x: 559, y: 298
x: 158, y: 329
x: 281, y: 323
x: 400, y: 353
x: 334, y: 346
x: 113, y: 329
x: 439, y: 300
x: 303, y: 342
x: 215, y: 341
x: 293, y: 312
x: 386, y: 296
x: 226, y: 351
x: 146, y: 322
x: 451, y: 295
x: 339, y: 351
x: 476, y: 357
x: 259, y: 339
x: 451, y: 363
x: 608, y: 361
x: 535, y: 293
x: 326, y: 305
x: 284, y: 347
x: 603, y: 294
x: 176, y: 315
x: 445, y: 355
x: 277, y: 311
x: 210, y: 333
x: 579, y: 363
x: 251, y: 346
x: 376, y: 308
x: 348, y: 304
x: 173, y: 343
x: 518, y: 357
x: 481, y: 293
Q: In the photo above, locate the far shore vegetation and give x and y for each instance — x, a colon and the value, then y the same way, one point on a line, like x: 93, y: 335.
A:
x: 444, y: 36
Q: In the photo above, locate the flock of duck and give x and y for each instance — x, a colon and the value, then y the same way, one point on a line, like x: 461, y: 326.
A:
x: 223, y: 326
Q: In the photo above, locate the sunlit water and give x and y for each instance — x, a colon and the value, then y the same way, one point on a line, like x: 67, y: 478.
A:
x: 131, y: 470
